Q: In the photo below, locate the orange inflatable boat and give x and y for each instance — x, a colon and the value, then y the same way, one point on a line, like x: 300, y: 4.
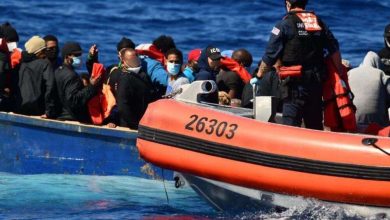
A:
x: 336, y: 167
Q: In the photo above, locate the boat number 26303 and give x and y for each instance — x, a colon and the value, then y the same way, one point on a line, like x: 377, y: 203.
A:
x: 211, y: 126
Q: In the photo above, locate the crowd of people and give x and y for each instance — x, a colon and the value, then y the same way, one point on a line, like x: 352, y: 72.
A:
x: 43, y: 80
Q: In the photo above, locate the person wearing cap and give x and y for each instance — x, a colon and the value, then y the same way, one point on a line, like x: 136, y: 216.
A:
x: 384, y: 54
x: 299, y: 41
x: 11, y: 36
x: 209, y: 64
x: 36, y: 94
x: 73, y: 96
x: 52, y: 50
x: 192, y: 66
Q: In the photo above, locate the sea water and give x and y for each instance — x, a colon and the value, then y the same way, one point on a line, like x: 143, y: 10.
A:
x: 228, y: 24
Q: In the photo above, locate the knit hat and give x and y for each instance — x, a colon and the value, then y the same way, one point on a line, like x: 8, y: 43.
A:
x: 34, y: 45
x: 71, y: 48
x: 10, y: 33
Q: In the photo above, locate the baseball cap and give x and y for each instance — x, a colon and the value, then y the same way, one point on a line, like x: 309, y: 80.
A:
x: 213, y: 53
x: 194, y: 54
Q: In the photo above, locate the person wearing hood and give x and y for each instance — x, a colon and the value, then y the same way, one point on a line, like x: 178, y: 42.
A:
x: 371, y: 88
x: 52, y: 51
x: 36, y: 94
x: 384, y: 54
x: 209, y: 64
x: 174, y: 61
x: 73, y: 96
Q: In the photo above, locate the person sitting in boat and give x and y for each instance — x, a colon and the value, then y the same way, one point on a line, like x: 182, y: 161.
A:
x: 134, y: 90
x: 299, y: 41
x: 36, y: 94
x: 192, y: 64
x: 384, y: 54
x: 4, y: 71
x: 209, y: 66
x: 73, y: 96
x: 371, y: 87
x: 11, y: 56
x: 52, y: 51
x: 152, y: 58
x: 229, y: 81
x: 174, y: 62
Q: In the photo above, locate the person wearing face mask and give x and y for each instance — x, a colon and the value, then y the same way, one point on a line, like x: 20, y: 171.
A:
x: 36, y: 91
x: 192, y: 64
x: 384, y: 54
x: 135, y: 90
x: 11, y: 37
x: 73, y: 96
x: 52, y: 51
x: 173, y: 62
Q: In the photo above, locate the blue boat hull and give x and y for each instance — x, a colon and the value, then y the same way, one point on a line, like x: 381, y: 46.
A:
x: 31, y: 145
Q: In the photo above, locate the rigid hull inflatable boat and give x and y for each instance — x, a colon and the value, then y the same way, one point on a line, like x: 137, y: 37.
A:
x: 208, y: 143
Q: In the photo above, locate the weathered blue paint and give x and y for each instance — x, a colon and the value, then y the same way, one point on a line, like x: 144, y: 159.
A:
x: 31, y: 145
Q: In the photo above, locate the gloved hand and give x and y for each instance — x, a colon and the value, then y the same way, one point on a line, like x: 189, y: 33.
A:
x: 255, y: 81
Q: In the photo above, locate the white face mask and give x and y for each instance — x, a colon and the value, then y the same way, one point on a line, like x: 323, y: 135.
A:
x: 12, y: 46
x: 134, y: 69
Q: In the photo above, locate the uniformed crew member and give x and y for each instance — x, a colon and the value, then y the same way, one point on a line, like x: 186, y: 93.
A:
x: 301, y: 39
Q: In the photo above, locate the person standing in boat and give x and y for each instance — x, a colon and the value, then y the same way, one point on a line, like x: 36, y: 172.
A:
x: 173, y: 62
x: 299, y: 41
x: 134, y: 90
x: 384, y: 54
x: 71, y: 91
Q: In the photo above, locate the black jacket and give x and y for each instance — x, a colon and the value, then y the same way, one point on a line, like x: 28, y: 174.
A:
x: 384, y: 54
x: 36, y: 92
x: 133, y: 97
x: 73, y: 95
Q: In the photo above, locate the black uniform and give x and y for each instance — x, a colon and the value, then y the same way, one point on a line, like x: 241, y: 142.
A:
x: 384, y: 54
x: 36, y: 93
x: 296, y: 42
x: 73, y: 95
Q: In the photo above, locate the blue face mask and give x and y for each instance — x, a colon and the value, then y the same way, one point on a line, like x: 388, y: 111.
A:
x: 173, y: 69
x: 76, y: 62
x: 189, y: 74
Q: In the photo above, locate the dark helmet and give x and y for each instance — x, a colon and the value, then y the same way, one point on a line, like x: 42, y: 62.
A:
x: 298, y: 2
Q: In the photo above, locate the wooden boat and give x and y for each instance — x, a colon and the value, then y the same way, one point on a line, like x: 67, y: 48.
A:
x: 31, y: 145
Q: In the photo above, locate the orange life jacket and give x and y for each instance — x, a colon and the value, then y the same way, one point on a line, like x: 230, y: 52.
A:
x: 339, y: 111
x: 234, y: 66
x: 16, y: 56
x: 100, y: 106
x: 151, y: 51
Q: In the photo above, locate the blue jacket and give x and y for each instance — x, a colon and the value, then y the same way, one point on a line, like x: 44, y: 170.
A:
x: 205, y: 72
x: 157, y: 73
